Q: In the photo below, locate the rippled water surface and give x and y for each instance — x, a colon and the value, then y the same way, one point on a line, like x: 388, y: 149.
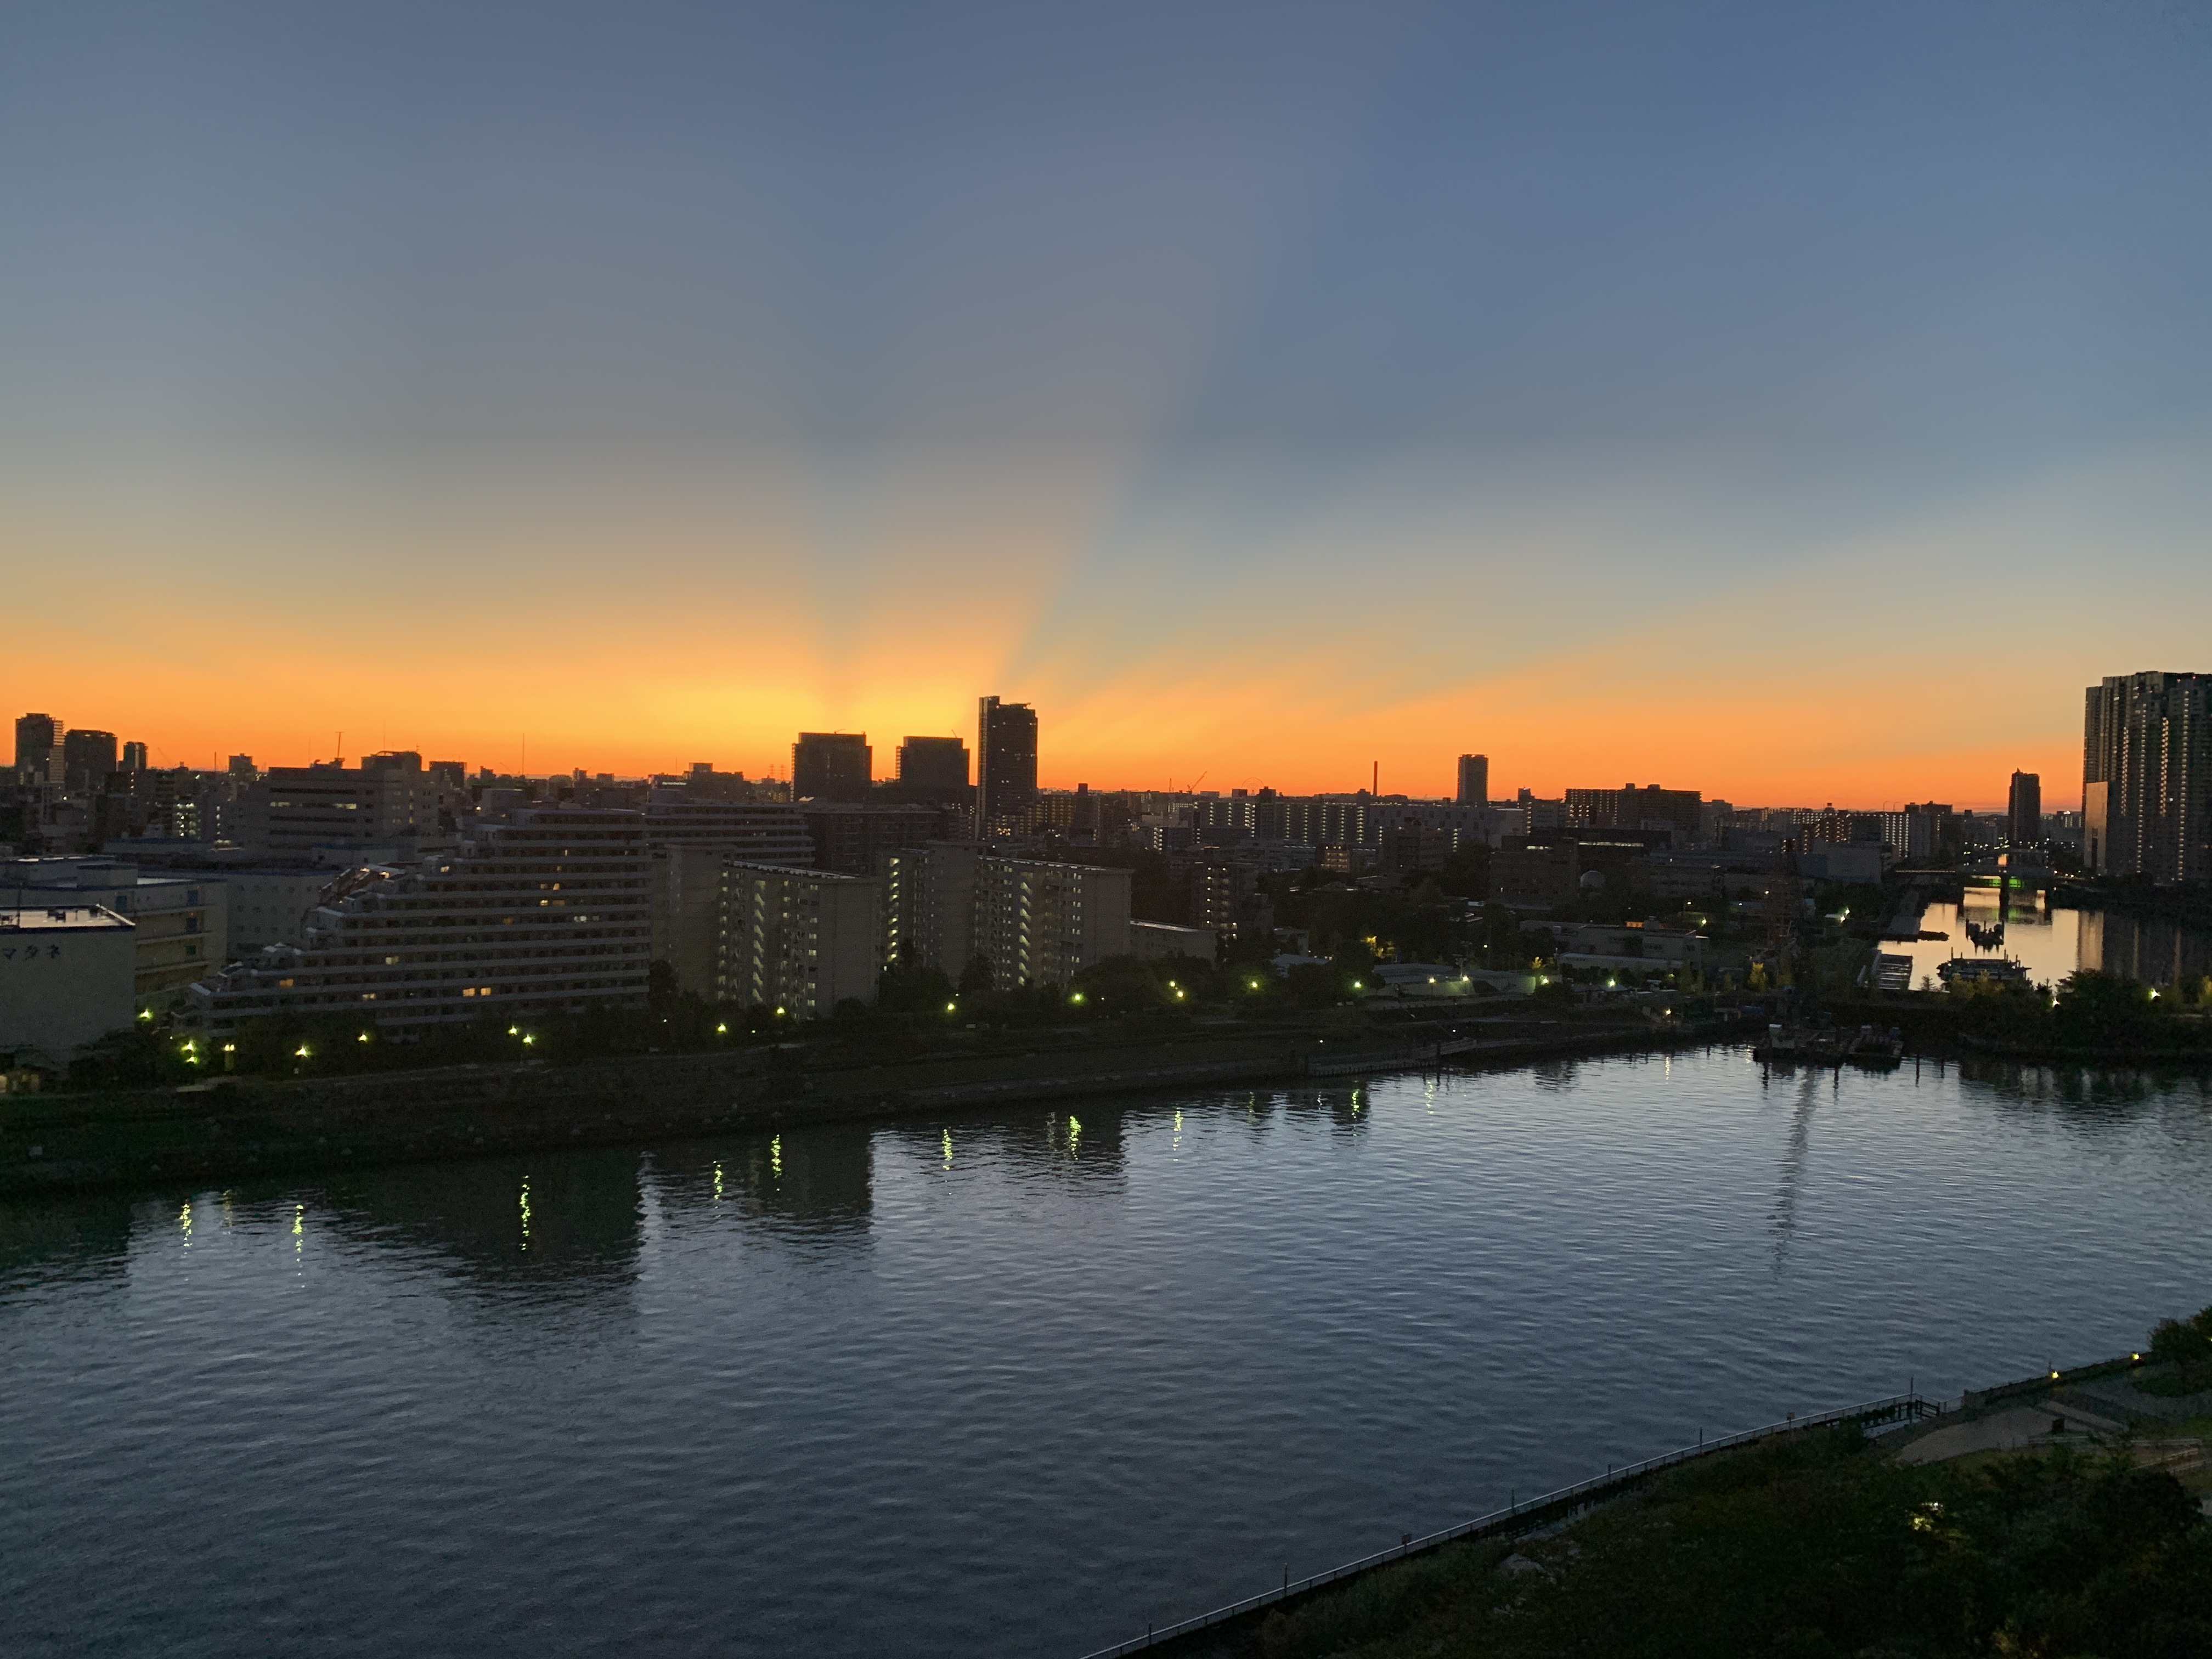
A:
x: 1014, y: 1383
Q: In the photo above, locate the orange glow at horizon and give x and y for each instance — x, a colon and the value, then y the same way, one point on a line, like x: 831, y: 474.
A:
x: 633, y: 623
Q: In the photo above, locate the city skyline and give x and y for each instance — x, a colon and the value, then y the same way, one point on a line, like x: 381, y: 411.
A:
x: 1694, y: 394
x: 788, y: 773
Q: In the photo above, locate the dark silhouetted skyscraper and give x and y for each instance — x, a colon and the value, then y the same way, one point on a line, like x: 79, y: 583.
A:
x: 1005, y: 765
x: 933, y: 765
x: 39, y: 747
x: 1473, y: 780
x: 87, y: 757
x: 2024, y: 812
x: 831, y: 766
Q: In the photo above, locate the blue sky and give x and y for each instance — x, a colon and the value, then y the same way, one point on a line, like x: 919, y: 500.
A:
x: 1275, y: 388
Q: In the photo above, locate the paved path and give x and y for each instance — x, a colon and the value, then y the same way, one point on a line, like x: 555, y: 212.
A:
x: 2012, y: 1430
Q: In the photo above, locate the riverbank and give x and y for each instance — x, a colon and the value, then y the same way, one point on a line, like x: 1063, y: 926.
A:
x: 1839, y: 1535
x: 230, y: 1129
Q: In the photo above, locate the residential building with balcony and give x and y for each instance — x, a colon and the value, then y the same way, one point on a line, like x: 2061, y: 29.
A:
x: 2147, y: 777
x: 1038, y: 923
x: 759, y: 832
x: 798, y: 941
x: 545, y: 911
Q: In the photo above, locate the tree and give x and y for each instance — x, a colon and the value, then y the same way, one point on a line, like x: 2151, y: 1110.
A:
x: 1318, y: 985
x: 2185, y: 1345
x: 904, y: 989
x: 1465, y: 873
x: 1502, y: 945
x: 977, y: 977
x: 2106, y: 1011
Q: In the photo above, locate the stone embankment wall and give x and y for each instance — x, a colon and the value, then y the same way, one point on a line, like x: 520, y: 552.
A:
x: 236, y: 1129
x: 232, y: 1129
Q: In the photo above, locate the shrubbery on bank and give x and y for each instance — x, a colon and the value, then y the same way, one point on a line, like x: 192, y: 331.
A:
x: 1819, y: 1548
x: 2091, y: 1012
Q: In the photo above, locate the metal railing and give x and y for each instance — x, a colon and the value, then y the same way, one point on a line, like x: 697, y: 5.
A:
x: 1520, y: 1516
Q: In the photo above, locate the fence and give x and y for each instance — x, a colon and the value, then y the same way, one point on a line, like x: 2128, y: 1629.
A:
x: 1566, y: 1502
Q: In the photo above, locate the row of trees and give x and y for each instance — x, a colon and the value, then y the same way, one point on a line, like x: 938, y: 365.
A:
x: 2092, y: 1010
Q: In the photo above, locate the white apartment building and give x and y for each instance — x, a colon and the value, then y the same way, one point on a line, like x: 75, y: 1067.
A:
x: 180, y: 922
x: 929, y: 905
x: 1042, y: 923
x: 798, y: 940
x: 1039, y: 923
x: 548, y: 911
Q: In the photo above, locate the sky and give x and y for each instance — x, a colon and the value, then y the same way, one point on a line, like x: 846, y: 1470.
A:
x: 1796, y: 402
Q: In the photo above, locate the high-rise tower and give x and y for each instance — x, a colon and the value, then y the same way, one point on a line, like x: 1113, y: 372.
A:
x: 831, y: 766
x: 1474, y: 780
x: 39, y: 747
x: 87, y: 757
x: 2146, y: 776
x: 2024, y: 810
x: 1006, y: 766
x: 933, y: 765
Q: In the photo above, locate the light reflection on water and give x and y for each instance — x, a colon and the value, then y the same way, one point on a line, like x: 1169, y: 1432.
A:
x: 1016, y: 1381
x: 2052, y: 942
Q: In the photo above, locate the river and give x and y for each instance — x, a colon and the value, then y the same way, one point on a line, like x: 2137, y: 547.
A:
x: 2052, y: 941
x: 1016, y: 1381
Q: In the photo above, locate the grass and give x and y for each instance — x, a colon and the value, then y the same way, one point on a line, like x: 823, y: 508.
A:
x: 1815, y: 1548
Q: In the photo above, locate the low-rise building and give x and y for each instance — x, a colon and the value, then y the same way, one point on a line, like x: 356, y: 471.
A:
x: 1153, y: 941
x: 66, y: 976
x: 1629, y: 945
x: 1851, y: 861
x: 1417, y: 979
x: 1700, y: 876
x: 180, y: 918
